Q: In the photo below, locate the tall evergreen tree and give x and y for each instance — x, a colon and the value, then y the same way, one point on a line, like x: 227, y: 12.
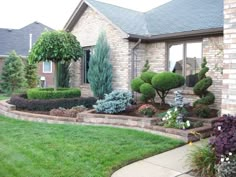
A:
x: 31, y: 75
x: 100, y: 69
x: 13, y: 76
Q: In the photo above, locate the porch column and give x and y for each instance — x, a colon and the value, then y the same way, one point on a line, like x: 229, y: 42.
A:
x: 229, y: 76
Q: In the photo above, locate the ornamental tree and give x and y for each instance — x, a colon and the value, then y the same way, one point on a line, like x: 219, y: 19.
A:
x: 31, y: 74
x: 13, y: 76
x: 58, y: 47
x: 100, y: 69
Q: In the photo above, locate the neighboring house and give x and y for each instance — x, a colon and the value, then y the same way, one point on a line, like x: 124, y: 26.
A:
x: 21, y: 40
x: 173, y: 37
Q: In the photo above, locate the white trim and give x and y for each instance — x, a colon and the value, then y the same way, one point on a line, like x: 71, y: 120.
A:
x: 50, y: 68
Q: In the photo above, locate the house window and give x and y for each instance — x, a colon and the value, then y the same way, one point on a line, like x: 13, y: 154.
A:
x: 47, y: 67
x: 85, y: 65
x: 185, y: 59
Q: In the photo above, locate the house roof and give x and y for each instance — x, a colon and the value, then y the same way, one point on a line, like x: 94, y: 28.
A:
x: 177, y: 17
x: 18, y: 39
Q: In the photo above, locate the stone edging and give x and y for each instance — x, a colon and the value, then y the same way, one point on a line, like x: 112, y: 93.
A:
x: 89, y: 118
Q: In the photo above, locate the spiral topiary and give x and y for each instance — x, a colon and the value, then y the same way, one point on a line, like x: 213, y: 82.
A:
x: 200, y: 89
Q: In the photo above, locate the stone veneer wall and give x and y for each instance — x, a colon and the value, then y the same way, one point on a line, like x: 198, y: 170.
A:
x: 229, y: 81
x: 87, y: 31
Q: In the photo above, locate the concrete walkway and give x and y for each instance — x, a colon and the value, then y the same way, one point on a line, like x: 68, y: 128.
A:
x: 167, y: 164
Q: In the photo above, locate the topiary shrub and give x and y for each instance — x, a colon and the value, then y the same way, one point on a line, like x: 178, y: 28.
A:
x: 50, y: 93
x: 165, y: 81
x: 115, y: 102
x: 148, y: 92
x: 136, y: 84
x: 147, y: 76
x: 22, y: 103
x: 200, y: 89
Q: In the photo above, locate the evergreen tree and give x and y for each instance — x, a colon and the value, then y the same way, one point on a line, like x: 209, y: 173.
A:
x: 100, y: 69
x: 31, y: 75
x: 13, y: 76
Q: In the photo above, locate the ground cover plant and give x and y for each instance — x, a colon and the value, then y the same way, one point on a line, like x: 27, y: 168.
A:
x: 38, y: 149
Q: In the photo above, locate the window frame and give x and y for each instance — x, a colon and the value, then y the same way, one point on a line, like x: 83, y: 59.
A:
x: 84, y: 65
x: 50, y: 67
x: 184, y: 42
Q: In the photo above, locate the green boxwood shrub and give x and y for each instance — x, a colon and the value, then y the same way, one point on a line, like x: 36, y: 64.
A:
x: 147, y: 76
x: 50, y: 93
x: 165, y: 81
x: 22, y: 103
x: 136, y: 83
x: 148, y: 92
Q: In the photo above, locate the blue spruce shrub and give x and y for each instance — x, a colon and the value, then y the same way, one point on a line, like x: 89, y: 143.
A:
x: 114, y: 102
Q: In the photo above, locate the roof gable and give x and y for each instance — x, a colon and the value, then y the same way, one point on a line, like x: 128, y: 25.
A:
x: 176, y: 16
x: 18, y: 39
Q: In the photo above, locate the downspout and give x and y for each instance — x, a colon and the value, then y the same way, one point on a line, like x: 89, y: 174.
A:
x: 30, y: 42
x: 133, y: 61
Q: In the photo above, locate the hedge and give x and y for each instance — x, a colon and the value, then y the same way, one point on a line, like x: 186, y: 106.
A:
x: 23, y: 103
x: 50, y: 93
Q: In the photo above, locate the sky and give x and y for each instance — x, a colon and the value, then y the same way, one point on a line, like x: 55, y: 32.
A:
x: 15, y: 14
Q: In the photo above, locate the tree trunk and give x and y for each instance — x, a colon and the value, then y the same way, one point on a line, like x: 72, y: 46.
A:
x: 55, y: 76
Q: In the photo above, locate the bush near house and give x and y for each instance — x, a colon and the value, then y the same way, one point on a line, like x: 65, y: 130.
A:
x: 22, y: 103
x: 150, y: 84
x: 200, y: 89
x: 31, y: 74
x: 115, y: 102
x: 100, y: 69
x: 50, y: 93
x: 13, y: 75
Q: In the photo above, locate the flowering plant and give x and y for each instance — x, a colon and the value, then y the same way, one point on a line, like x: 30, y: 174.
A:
x: 170, y: 120
x: 147, y: 110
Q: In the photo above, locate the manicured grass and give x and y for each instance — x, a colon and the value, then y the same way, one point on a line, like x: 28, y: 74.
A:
x: 29, y: 149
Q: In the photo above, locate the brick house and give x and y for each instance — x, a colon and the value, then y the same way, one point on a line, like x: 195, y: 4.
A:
x: 21, y: 41
x: 173, y: 37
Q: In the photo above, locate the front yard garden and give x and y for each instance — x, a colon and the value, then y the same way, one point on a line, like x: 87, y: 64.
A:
x: 38, y: 149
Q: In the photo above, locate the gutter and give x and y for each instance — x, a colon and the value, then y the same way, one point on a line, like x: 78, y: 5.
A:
x: 133, y: 58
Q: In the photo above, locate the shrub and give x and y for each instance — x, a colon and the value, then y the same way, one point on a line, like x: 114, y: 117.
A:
x: 12, y: 76
x: 224, y: 141
x: 31, y: 75
x: 147, y: 76
x: 200, y: 89
x: 100, y: 68
x: 202, y: 161
x: 23, y: 103
x: 147, y: 110
x: 50, y: 93
x: 202, y: 111
x: 146, y: 66
x: 227, y: 168
x: 115, y: 102
x: 148, y: 92
x: 165, y: 81
x: 136, y: 84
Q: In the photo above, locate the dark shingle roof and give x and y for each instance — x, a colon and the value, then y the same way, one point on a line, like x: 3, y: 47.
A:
x: 18, y: 39
x: 173, y: 17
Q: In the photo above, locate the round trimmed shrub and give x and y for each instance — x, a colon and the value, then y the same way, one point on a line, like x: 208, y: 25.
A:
x: 147, y: 91
x: 147, y: 76
x: 136, y: 83
x: 50, y: 93
x: 167, y: 80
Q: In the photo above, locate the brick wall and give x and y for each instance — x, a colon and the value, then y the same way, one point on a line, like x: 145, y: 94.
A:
x: 87, y: 31
x: 229, y: 76
x: 48, y: 76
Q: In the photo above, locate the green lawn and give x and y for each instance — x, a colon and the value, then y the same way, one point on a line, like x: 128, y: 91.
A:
x: 29, y: 149
x: 4, y: 96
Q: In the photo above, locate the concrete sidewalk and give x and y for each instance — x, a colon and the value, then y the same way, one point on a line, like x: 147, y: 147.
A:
x: 167, y: 164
